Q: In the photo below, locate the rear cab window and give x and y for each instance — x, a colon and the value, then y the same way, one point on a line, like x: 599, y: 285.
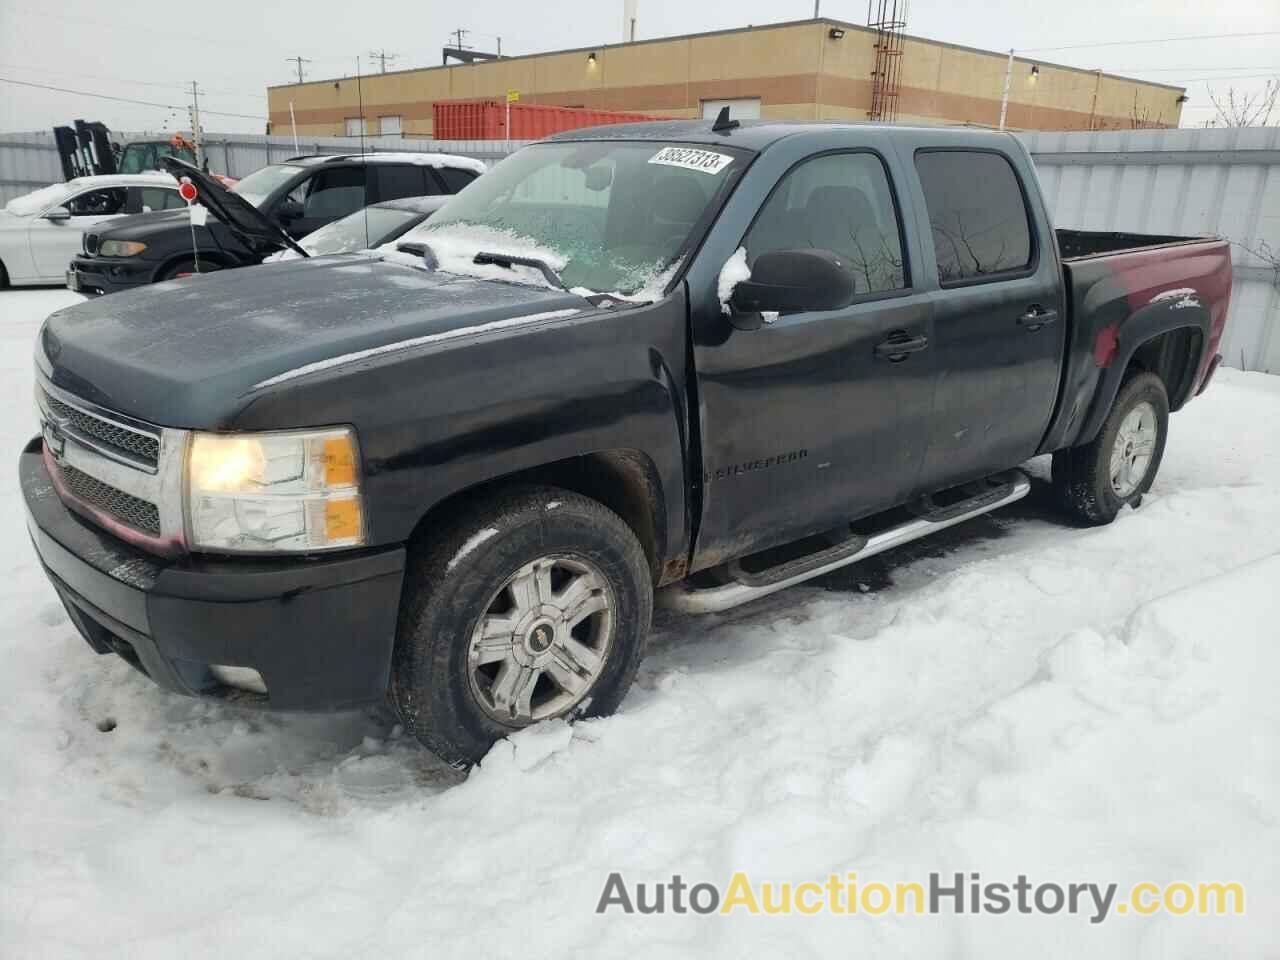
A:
x: 978, y: 215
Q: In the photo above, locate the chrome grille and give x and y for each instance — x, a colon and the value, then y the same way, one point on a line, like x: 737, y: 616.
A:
x: 128, y: 509
x: 142, y: 446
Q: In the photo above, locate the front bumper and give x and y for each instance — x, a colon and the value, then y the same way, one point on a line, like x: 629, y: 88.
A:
x: 100, y: 275
x: 320, y: 632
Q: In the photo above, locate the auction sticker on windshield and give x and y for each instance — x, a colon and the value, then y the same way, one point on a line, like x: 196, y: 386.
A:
x: 704, y: 161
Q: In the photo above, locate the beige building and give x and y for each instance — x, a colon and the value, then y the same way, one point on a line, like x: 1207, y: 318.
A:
x: 807, y: 70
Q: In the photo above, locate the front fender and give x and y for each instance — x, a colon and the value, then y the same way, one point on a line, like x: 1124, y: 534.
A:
x: 448, y: 419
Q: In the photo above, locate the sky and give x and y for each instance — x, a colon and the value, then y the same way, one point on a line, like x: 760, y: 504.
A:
x: 237, y: 48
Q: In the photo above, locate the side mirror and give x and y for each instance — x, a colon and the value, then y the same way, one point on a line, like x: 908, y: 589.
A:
x: 58, y: 214
x: 796, y: 281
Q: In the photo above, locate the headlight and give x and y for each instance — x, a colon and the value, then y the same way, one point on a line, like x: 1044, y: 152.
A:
x: 262, y: 492
x: 120, y: 248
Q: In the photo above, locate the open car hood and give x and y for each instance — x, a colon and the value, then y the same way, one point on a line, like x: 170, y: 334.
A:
x: 240, y: 216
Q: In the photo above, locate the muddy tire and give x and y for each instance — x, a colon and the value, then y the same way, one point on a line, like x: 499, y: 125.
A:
x: 1094, y: 481
x: 530, y: 605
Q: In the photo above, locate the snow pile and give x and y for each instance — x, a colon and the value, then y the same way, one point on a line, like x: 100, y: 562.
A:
x: 1015, y: 696
x: 734, y: 271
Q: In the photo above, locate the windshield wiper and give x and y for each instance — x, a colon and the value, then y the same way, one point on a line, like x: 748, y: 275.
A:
x: 505, y: 260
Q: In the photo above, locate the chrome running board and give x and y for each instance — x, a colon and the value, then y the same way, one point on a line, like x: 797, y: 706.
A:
x: 684, y: 598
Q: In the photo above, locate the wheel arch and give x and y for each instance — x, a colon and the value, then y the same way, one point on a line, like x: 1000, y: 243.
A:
x: 625, y: 480
x: 222, y: 260
x: 1165, y: 338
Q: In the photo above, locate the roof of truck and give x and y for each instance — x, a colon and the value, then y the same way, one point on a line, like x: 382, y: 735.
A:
x: 753, y: 134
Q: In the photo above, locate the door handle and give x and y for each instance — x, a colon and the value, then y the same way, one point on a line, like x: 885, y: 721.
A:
x: 1037, y: 317
x: 899, y: 345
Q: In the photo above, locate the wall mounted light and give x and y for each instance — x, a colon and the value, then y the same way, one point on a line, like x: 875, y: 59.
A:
x: 591, y: 58
x: 1183, y: 99
x: 835, y: 33
x: 1035, y: 69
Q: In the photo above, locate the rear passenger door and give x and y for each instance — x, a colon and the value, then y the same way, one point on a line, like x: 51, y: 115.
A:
x: 998, y: 328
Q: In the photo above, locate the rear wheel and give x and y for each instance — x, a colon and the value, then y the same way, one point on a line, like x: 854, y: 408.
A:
x: 184, y: 268
x: 532, y: 605
x: 1094, y: 481
x: 4, y: 277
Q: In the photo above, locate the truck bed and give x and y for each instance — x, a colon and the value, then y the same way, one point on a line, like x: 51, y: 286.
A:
x: 1077, y: 244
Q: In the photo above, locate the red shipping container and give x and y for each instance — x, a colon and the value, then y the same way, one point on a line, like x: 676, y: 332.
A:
x: 487, y: 120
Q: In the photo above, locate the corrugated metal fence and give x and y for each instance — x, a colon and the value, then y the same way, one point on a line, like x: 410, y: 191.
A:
x: 1190, y: 182
x: 1222, y: 182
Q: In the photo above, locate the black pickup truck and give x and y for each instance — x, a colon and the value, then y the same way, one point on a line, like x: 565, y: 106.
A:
x: 682, y: 361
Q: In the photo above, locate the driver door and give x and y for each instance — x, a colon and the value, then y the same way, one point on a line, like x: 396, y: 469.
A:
x: 807, y: 420
x: 54, y: 243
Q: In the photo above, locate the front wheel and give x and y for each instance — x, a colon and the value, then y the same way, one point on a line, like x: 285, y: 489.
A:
x: 1094, y: 481
x: 531, y: 605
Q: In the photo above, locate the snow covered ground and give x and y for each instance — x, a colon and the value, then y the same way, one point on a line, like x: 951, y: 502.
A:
x: 1018, y: 698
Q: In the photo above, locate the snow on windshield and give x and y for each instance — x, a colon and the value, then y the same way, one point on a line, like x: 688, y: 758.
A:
x: 37, y: 201
x: 610, y: 217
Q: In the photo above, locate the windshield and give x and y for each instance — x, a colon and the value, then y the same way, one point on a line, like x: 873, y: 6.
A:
x: 260, y: 184
x: 349, y: 233
x: 143, y: 156
x: 32, y: 203
x: 609, y: 217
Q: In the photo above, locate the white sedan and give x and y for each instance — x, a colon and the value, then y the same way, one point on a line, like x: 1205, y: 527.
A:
x: 42, y: 231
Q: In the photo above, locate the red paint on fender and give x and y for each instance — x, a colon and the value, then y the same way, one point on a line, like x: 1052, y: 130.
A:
x: 1105, y: 346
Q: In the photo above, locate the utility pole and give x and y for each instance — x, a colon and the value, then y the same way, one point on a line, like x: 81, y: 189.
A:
x: 196, y: 133
x: 1004, y: 98
x: 299, y: 61
x: 460, y: 35
x: 383, y: 57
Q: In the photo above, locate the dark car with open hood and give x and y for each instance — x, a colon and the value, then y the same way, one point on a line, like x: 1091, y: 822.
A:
x: 680, y: 363
x: 265, y: 212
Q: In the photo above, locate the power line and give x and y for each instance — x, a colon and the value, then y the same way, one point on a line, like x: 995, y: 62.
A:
x: 162, y: 84
x: 144, y: 103
x: 299, y: 61
x: 383, y: 56
x: 1134, y: 43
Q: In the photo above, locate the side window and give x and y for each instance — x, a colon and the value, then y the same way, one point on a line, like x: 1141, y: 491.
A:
x: 455, y: 179
x: 99, y: 203
x: 840, y: 202
x: 335, y: 192
x: 158, y: 198
x: 977, y: 214
x: 401, y: 180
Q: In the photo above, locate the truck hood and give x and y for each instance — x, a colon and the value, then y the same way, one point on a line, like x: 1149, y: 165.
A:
x: 194, y: 352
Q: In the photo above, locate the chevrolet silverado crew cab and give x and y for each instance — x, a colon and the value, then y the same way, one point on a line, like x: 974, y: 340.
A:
x: 263, y: 213
x: 687, y: 362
